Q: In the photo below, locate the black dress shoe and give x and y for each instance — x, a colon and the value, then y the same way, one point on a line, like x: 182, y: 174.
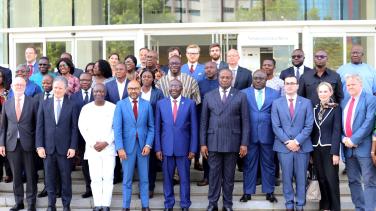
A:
x: 105, y: 208
x: 198, y: 166
x: 50, y: 208
x: 277, y: 182
x: 145, y: 209
x: 125, y: 209
x: 175, y: 182
x: 151, y: 194
x: 270, y: 197
x: 97, y: 209
x: 8, y: 179
x: 184, y: 209
x: 31, y: 208
x: 58, y: 194
x: 43, y: 193
x: 168, y: 209
x: 87, y: 194
x: 289, y: 209
x: 66, y: 209
x: 226, y: 209
x: 212, y: 208
x: 203, y: 182
x: 258, y: 181
x: 245, y: 198
x: 17, y: 207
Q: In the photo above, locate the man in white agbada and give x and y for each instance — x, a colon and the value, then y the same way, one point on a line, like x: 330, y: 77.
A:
x: 95, y: 124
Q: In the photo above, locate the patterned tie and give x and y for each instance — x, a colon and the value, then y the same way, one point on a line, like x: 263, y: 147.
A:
x: 86, y: 100
x: 259, y: 99
x: 135, y: 110
x: 191, y: 70
x: 175, y: 110
x: 348, y: 129
x: 224, y: 97
x: 291, y: 108
x: 58, y: 109
x: 18, y: 108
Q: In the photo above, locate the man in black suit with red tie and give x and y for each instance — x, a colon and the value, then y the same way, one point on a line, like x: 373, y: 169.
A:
x: 17, y: 140
x: 298, y: 69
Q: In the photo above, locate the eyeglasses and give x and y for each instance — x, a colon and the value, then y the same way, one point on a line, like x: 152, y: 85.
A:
x: 193, y: 53
x: 296, y: 56
x: 63, y: 65
x: 42, y: 64
x: 174, y: 63
x: 320, y: 56
x: 290, y: 83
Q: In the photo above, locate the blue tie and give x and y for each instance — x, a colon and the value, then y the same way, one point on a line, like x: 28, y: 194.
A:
x: 259, y: 99
x: 58, y: 109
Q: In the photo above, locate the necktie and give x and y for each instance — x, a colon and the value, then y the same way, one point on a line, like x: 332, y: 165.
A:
x: 135, y: 111
x: 31, y: 69
x: 47, y: 95
x: 191, y: 70
x: 86, y: 100
x: 297, y: 73
x: 18, y: 108
x: 259, y: 99
x: 348, y: 129
x: 175, y: 110
x: 58, y: 109
x: 224, y: 97
x: 291, y: 106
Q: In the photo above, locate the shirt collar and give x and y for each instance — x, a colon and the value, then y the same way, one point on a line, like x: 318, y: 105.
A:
x: 227, y: 90
x: 326, y: 72
x: 131, y: 100
x: 22, y: 97
x: 177, y: 99
x: 293, y: 97
x: 233, y: 68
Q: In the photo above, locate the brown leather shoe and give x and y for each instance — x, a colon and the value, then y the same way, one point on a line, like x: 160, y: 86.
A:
x: 8, y: 179
x: 203, y: 182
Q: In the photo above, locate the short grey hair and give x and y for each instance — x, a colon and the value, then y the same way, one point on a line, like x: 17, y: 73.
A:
x: 355, y: 76
x: 61, y: 79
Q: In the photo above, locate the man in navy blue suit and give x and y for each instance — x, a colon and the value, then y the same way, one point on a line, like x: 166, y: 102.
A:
x: 81, y: 98
x: 358, y: 123
x: 176, y: 142
x: 292, y: 120
x: 56, y: 141
x: 215, y: 55
x: 260, y: 99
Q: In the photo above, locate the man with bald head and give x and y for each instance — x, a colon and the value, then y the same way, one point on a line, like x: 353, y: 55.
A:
x: 357, y: 66
x: 17, y: 141
x: 134, y: 135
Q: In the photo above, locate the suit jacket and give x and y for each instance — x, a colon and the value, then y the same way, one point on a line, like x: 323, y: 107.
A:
x: 113, y: 92
x: 61, y: 136
x: 77, y: 72
x: 7, y: 73
x: 25, y: 126
x: 291, y: 72
x: 156, y: 95
x: 222, y: 65
x: 39, y: 98
x: 198, y: 74
x: 260, y: 120
x: 243, y: 78
x: 328, y: 131
x: 362, y: 126
x: 224, y: 127
x: 181, y: 137
x: 126, y: 126
x: 299, y: 127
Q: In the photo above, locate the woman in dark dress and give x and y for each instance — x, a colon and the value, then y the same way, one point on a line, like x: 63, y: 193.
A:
x: 153, y: 95
x: 326, y: 138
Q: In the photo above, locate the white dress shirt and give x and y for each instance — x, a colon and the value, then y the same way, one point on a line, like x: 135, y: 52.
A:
x: 22, y: 100
x: 121, y: 87
x: 88, y: 93
x: 55, y: 107
x: 227, y: 92
x: 234, y: 71
x: 190, y: 64
x: 293, y: 102
x: 177, y: 103
x: 146, y: 95
x: 301, y: 70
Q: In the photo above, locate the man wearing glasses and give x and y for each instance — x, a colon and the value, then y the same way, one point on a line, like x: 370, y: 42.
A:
x: 297, y: 70
x: 309, y: 81
x: 193, y: 68
x: 357, y: 66
x: 44, y: 67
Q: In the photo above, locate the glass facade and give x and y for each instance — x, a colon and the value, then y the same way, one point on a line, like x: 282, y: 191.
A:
x: 56, y: 13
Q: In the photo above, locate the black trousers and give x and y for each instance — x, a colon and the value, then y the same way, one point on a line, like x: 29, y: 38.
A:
x: 327, y: 175
x: 23, y: 161
x: 221, y: 177
x: 5, y: 163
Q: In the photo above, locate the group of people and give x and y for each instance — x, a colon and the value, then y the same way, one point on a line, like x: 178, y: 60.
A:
x: 115, y: 114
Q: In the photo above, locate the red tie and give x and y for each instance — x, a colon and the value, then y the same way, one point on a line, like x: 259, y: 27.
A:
x: 291, y: 108
x: 175, y: 110
x: 31, y: 69
x: 18, y: 108
x: 191, y: 70
x: 135, y: 111
x: 348, y: 129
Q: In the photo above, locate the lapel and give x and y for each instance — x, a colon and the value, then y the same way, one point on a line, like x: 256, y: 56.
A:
x: 152, y: 95
x: 285, y: 107
x: 267, y: 98
x: 315, y: 113
x: 64, y: 109
x: 297, y: 107
x: 358, y: 106
x: 181, y: 109
x: 24, y: 107
x: 222, y: 106
x: 168, y: 110
x: 125, y: 92
x: 13, y: 108
x: 50, y: 106
x: 253, y: 101
x: 238, y: 76
x: 129, y: 107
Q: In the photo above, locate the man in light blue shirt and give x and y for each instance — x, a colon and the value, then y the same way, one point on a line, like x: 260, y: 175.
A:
x: 366, y: 72
x: 44, y: 66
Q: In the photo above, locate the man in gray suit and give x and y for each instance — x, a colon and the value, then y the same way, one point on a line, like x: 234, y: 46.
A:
x: 17, y: 138
x: 224, y: 136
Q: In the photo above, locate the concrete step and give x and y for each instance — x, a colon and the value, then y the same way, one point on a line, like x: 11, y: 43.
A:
x: 156, y: 203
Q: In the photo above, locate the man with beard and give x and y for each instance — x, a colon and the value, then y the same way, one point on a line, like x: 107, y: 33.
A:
x: 215, y: 55
x: 297, y: 70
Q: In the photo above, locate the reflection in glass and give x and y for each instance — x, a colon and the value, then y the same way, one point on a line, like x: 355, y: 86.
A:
x: 56, y: 13
x: 24, y: 13
x: 55, y: 49
x: 3, y: 48
x: 124, y: 12
x: 333, y: 46
x: 20, y: 51
x: 89, y: 12
x: 283, y: 10
x: 88, y: 51
x: 123, y: 48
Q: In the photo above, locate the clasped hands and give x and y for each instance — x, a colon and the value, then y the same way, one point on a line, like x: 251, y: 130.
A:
x: 292, y: 145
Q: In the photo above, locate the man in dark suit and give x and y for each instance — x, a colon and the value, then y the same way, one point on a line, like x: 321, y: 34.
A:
x: 117, y: 90
x: 176, y: 142
x: 241, y: 79
x: 17, y: 138
x: 81, y: 98
x: 260, y: 99
x: 224, y: 136
x: 358, y: 123
x: 215, y: 55
x: 292, y: 120
x: 56, y: 136
x: 297, y: 70
x: 31, y: 60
